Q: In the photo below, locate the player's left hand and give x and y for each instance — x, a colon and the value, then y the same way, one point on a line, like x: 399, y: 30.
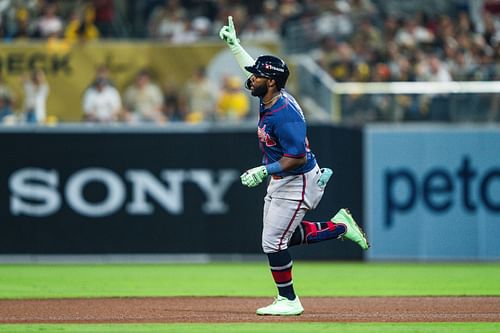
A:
x: 228, y: 33
x: 326, y: 173
x: 254, y: 177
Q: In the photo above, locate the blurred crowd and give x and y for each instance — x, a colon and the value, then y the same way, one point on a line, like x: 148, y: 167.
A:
x: 69, y: 20
x: 415, y: 46
x: 352, y: 40
x: 145, y: 100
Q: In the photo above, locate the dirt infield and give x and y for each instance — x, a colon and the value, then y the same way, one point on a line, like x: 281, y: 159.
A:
x: 238, y: 309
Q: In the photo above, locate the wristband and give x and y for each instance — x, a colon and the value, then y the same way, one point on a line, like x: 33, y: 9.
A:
x: 274, y: 168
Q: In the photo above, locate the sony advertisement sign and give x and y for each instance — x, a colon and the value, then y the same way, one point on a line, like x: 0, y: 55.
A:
x: 432, y: 193
x: 100, y: 191
x: 94, y: 190
x: 38, y: 192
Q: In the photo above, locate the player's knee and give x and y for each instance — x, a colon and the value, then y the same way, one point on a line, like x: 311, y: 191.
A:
x: 272, y: 247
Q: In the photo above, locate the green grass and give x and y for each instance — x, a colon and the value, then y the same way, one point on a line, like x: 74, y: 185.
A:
x: 247, y: 279
x: 250, y: 279
x: 260, y: 328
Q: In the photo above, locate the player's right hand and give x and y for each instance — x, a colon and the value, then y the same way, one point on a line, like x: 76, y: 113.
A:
x: 228, y: 34
x: 254, y: 177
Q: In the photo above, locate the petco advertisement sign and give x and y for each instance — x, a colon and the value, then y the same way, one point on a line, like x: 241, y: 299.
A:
x: 432, y: 193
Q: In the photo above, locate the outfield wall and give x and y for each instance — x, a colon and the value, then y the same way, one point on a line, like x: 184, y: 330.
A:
x: 426, y: 193
x: 433, y: 192
x: 164, y: 190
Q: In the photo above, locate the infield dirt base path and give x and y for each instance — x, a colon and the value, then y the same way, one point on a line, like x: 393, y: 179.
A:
x: 239, y: 309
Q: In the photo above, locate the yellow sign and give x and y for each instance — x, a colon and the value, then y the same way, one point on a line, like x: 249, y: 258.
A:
x: 70, y: 70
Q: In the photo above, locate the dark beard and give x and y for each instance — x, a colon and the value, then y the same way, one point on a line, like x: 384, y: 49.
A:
x: 259, y: 91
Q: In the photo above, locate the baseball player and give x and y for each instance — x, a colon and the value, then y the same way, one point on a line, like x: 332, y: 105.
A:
x: 296, y: 182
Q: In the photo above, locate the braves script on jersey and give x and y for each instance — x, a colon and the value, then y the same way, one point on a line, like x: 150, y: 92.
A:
x: 282, y: 132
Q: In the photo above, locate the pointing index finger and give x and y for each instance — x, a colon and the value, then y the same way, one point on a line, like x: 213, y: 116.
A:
x: 230, y: 22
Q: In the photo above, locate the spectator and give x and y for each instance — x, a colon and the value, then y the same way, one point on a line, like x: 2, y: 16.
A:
x: 6, y: 113
x: 402, y: 70
x: 485, y: 68
x: 412, y: 34
x: 336, y: 21
x: 389, y: 28
x: 5, y: 91
x: 326, y: 53
x: 288, y: 8
x: 342, y: 65
x: 185, y: 34
x: 144, y: 100
x: 434, y: 106
x: 368, y: 35
x: 50, y: 24
x: 102, y: 72
x: 361, y: 9
x: 168, y: 25
x: 233, y: 103
x: 81, y: 26
x: 101, y: 103
x: 434, y: 70
x: 202, y: 26
x: 386, y: 109
x: 464, y: 23
x: 260, y: 30
x: 491, y: 28
x: 167, y: 20
x: 174, y: 103
x: 201, y: 97
x: 22, y: 26
x: 264, y: 26
x: 36, y: 92
x: 461, y: 65
x: 6, y: 98
x: 104, y: 14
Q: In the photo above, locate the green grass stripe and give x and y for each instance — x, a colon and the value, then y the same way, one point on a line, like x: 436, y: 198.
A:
x: 248, y: 279
x: 259, y: 328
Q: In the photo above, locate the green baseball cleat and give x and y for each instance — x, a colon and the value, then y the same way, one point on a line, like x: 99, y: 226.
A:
x: 282, y: 306
x: 354, y: 232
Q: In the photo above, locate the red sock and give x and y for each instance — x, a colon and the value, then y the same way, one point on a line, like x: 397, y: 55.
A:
x: 315, y: 232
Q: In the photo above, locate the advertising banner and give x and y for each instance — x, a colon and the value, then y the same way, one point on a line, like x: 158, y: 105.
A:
x: 71, y: 69
x: 433, y: 192
x: 89, y: 191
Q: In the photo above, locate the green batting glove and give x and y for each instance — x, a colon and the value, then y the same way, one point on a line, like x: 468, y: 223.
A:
x: 326, y: 173
x: 254, y: 177
x: 228, y: 33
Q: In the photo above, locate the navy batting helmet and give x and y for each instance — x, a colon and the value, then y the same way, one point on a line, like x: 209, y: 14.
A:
x: 271, y: 67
